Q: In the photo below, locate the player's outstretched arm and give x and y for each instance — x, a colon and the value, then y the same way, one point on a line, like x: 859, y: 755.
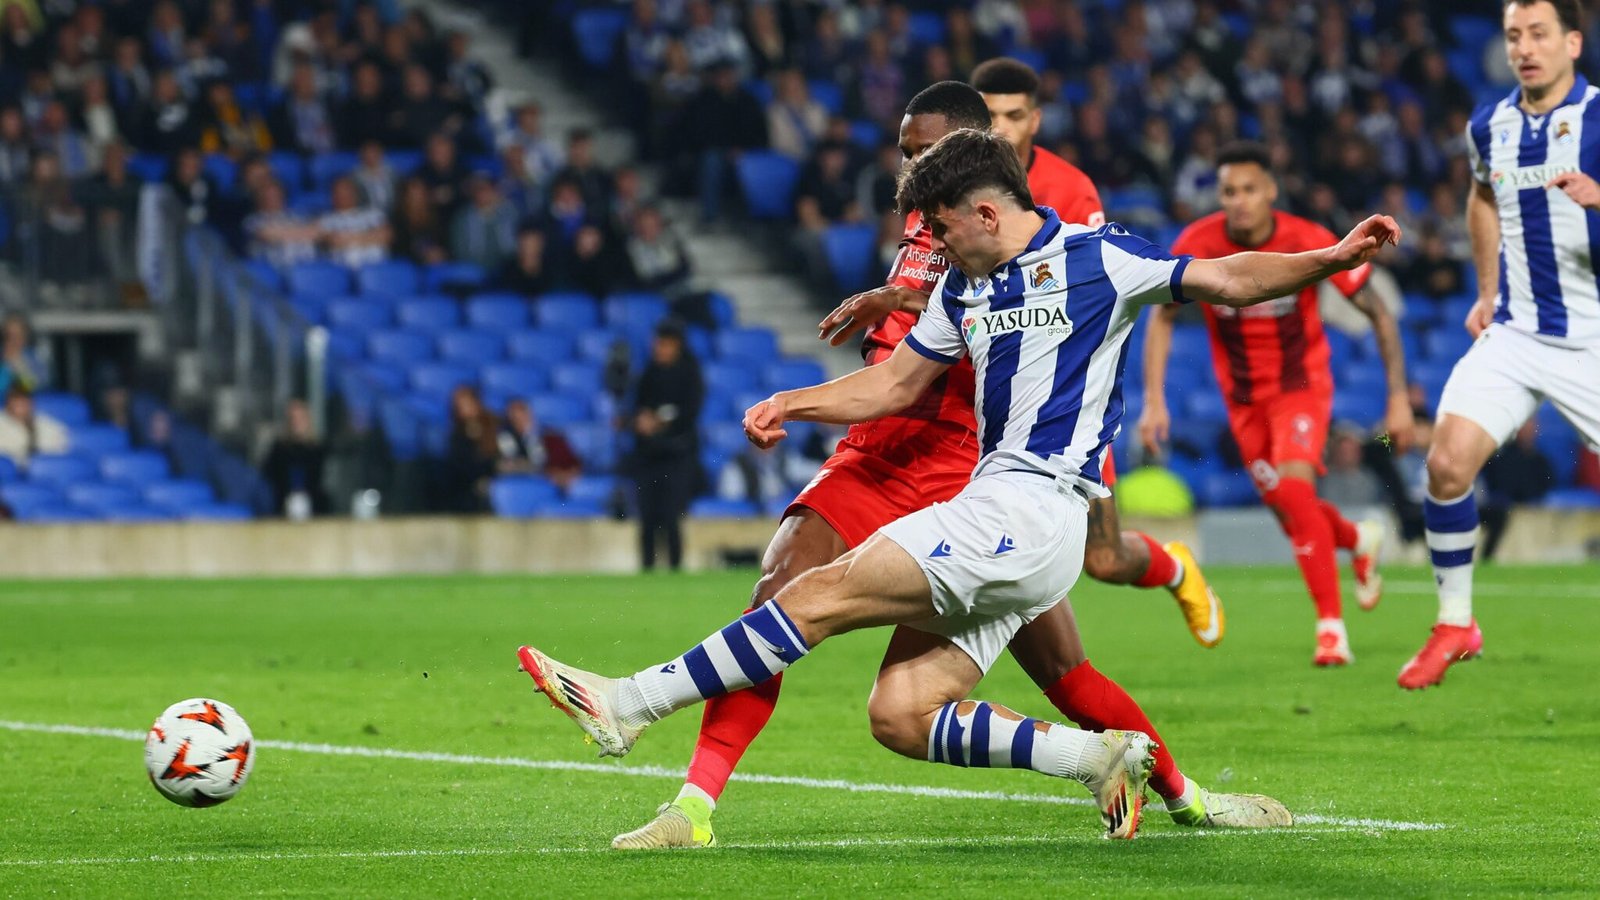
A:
x: 865, y: 394
x: 1245, y: 279
x: 1483, y: 230
x: 1155, y: 422
x: 865, y: 309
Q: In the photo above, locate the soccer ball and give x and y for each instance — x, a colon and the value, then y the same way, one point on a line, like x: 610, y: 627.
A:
x: 199, y: 752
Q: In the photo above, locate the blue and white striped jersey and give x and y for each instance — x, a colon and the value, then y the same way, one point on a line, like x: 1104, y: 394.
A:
x: 1047, y: 333
x: 1549, y: 245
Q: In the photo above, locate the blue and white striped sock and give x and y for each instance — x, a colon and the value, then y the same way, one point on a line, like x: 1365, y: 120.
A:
x: 973, y: 733
x: 754, y: 647
x: 1452, y: 528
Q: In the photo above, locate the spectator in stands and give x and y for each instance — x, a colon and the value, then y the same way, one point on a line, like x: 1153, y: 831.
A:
x: 168, y: 124
x: 541, y: 156
x: 54, y: 132
x: 595, y: 264
x: 444, y: 174
x: 968, y: 47
x: 657, y: 256
x: 566, y: 213
x: 354, y: 235
x: 485, y: 230
x: 19, y: 367
x: 671, y: 93
x: 1194, y: 188
x: 1347, y: 483
x: 129, y: 81
x: 829, y: 55
x: 14, y: 157
x: 876, y: 185
x: 277, y: 234
x: 764, y: 477
x: 472, y: 454
x: 374, y: 176
x: 1432, y: 272
x: 364, y: 115
x: 294, y: 465
x: 1518, y: 474
x: 582, y: 170
x: 303, y: 121
x: 722, y: 122
x: 713, y: 41
x: 628, y: 197
x: 644, y: 41
x: 101, y: 126
x: 666, y: 455
x: 112, y: 197
x: 230, y: 39
x: 528, y: 272
x: 526, y: 448
x: 467, y: 82
x: 795, y: 121
x: 882, y: 83
x: 227, y: 128
x: 56, y: 224
x: 420, y: 234
x: 25, y: 433
x: 421, y: 112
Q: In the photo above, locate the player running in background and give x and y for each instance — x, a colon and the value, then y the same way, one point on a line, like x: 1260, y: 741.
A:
x: 886, y: 469
x: 961, y: 577
x: 1272, y: 364
x: 1010, y: 91
x: 1532, y: 217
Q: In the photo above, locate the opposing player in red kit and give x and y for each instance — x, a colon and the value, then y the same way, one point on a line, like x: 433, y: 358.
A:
x: 1272, y: 364
x: 885, y: 469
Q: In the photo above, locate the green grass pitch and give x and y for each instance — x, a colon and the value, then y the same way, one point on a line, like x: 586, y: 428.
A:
x: 1485, y: 787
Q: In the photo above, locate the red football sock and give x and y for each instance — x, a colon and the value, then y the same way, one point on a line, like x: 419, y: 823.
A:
x: 1345, y: 534
x: 1095, y: 703
x: 1311, y: 538
x: 728, y: 727
x: 1163, y: 568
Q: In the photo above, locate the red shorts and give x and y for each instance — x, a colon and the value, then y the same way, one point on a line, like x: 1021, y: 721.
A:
x: 1287, y: 428
x: 1108, y: 471
x: 857, y: 493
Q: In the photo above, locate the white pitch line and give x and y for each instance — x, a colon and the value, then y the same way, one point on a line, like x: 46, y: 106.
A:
x: 834, y: 784
x: 1547, y: 591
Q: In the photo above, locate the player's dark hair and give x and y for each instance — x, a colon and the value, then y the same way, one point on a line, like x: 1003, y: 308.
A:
x: 1237, y: 152
x: 1568, y: 12
x: 962, y: 162
x: 960, y: 105
x: 1005, y: 75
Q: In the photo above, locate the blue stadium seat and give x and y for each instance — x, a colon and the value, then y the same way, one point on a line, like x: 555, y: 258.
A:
x: 454, y: 275
x: 927, y: 28
x: 595, y: 444
x: 98, y: 496
x: 8, y: 471
x: 55, y: 514
x: 472, y: 346
x: 866, y: 134
x: 93, y: 440
x: 383, y: 376
x: 428, y: 313
x: 401, y: 426
x: 70, y: 410
x: 722, y: 310
x: 134, y: 467
x: 757, y: 344
x: 576, y: 378
x: 403, y: 162
x: 767, y: 181
x: 222, y: 171
x: 596, y: 29
x: 566, y: 314
x: 787, y: 374
x: 725, y: 437
x: 135, y: 512
x: 267, y: 278
x: 178, y: 494
x: 25, y: 495
x: 1199, y: 402
x: 437, y: 379
x: 539, y: 346
x: 830, y: 95
x: 359, y: 313
x: 634, y: 310
x: 852, y: 252
x: 1362, y: 378
x: 392, y: 278
x: 595, y: 346
x: 1232, y: 487
x: 560, y: 411
x: 1446, y: 344
x: 61, y: 469
x: 520, y: 496
x: 347, y: 343
x: 325, y: 167
x: 497, y: 312
x: 1364, y: 408
x: 399, y: 347
x: 217, y: 512
x: 1573, y: 498
x: 759, y: 88
x: 322, y: 278
x: 514, y: 379
x: 717, y: 508
x: 726, y: 376
x: 569, y: 508
x: 151, y: 167
x: 312, y: 309
x: 289, y: 168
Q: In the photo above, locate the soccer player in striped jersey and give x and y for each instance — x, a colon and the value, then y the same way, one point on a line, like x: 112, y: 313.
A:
x: 892, y: 466
x: 1042, y: 309
x: 1272, y: 364
x: 1534, y: 220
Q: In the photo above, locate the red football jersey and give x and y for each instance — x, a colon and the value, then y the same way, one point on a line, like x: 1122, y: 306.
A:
x: 1063, y: 187
x: 1278, y: 346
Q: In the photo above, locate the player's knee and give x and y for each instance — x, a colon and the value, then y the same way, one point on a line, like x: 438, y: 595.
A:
x: 1449, y: 473
x: 1104, y: 562
x: 896, y: 727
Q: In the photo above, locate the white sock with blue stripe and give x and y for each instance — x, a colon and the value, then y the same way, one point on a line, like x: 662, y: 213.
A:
x: 985, y: 736
x: 1452, y: 531
x: 754, y: 647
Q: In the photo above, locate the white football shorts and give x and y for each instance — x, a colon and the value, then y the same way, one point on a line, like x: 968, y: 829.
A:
x: 997, y: 555
x: 1500, y: 382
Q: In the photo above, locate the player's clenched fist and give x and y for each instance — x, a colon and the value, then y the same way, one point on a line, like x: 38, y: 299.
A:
x: 763, y: 423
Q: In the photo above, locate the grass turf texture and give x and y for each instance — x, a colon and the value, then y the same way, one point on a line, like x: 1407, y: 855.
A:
x: 1502, y: 755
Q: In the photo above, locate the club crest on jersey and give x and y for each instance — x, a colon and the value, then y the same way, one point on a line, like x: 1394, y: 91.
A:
x: 1564, y: 133
x: 1042, y: 280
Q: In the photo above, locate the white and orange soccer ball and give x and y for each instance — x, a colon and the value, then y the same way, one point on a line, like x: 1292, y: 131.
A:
x: 199, y: 752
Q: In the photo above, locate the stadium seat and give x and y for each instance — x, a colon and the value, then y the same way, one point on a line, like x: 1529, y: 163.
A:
x: 1231, y: 487
x: 312, y: 309
x: 756, y: 344
x: 99, y: 496
x: 827, y: 93
x: 597, y: 489
x: 267, y: 278
x: 135, y: 512
x: 717, y: 508
x: 326, y: 167
x: 289, y: 168
x: 178, y: 494
x: 436, y: 380
x: 569, y: 508
x: 453, y: 276
x: 538, y: 346
x: 401, y: 426
x: 93, y: 440
x: 322, y: 278
x: 514, y: 379
x: 382, y: 376
x: 497, y: 312
x: 70, y: 410
x: 1446, y: 344
x: 566, y: 314
x: 60, y: 469
x: 787, y: 374
x: 722, y: 310
x: 560, y: 411
x: 767, y: 181
x: 595, y: 30
x: 346, y: 343
x: 390, y: 279
x: 595, y: 444
x: 631, y: 311
x: 403, y: 162
x: 134, y: 467
x: 150, y: 167
x: 24, y: 495
x: 399, y: 346
x: 472, y: 346
x: 222, y: 171
x: 54, y: 514
x: 9, y: 472
x: 520, y: 496
x: 852, y: 252
x: 866, y: 134
x: 1364, y: 408
x: 577, y: 379
x: 359, y: 313
x: 428, y: 313
x: 217, y: 512
x: 1199, y: 402
x: 1573, y: 498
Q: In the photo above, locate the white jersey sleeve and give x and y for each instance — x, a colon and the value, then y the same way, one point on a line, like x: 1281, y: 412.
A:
x: 937, y: 334
x: 1480, y: 166
x: 1142, y: 273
